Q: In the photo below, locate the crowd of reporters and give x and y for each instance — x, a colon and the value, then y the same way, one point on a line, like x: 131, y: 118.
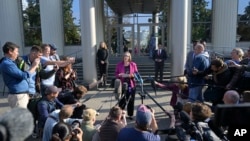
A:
x: 193, y: 121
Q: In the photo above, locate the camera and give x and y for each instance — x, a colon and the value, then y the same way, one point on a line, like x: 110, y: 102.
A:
x: 74, y: 127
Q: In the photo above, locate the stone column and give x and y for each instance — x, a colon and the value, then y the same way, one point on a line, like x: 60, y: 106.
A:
x: 224, y: 25
x: 88, y: 32
x: 156, y: 34
x: 179, y: 22
x: 99, y: 6
x: 52, y: 23
x: 11, y: 24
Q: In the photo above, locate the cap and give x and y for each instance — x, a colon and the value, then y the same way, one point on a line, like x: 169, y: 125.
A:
x: 89, y: 114
x: 143, y: 115
x: 52, y: 89
x: 53, y: 46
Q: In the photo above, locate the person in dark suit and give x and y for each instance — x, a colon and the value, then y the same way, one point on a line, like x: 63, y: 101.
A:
x: 159, y: 56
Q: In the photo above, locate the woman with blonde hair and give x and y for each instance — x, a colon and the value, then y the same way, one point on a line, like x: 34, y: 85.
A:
x: 179, y: 90
x: 124, y: 74
x: 102, y: 61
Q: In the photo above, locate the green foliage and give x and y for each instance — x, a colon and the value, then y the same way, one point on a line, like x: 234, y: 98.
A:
x: 201, y: 19
x: 32, y: 24
x: 72, y: 34
x: 244, y: 24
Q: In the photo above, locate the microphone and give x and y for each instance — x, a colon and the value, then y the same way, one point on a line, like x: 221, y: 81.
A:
x: 16, y: 125
x: 138, y: 77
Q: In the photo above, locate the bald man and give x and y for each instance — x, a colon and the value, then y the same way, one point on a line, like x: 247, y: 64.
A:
x: 231, y: 97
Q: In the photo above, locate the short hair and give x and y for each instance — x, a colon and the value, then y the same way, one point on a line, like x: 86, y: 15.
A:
x: 43, y: 46
x: 232, y: 96
x: 36, y: 48
x: 115, y: 112
x: 200, y: 111
x: 80, y: 89
x: 217, y: 62
x: 239, y: 52
x: 61, y: 131
x: 9, y: 46
x: 66, y: 111
x: 187, y: 107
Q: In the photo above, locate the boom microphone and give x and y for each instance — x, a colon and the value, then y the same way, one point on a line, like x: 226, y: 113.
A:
x: 16, y: 125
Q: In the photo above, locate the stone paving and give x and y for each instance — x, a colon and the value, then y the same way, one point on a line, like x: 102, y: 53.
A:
x: 103, y: 99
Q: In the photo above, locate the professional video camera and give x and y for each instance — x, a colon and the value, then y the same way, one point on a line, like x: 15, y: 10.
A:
x: 186, y: 129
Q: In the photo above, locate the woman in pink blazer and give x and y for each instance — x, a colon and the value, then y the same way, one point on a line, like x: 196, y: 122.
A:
x: 125, y: 83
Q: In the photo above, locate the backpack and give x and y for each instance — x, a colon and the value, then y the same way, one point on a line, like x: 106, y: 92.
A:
x: 32, y: 106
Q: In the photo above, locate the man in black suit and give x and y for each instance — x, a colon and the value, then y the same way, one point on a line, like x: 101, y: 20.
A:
x: 159, y: 56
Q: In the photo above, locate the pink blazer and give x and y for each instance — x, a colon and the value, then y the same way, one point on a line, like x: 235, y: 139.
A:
x: 121, y: 69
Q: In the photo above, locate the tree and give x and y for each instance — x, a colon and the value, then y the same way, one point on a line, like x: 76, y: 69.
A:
x: 201, y: 19
x: 72, y: 34
x: 32, y: 23
x: 244, y: 24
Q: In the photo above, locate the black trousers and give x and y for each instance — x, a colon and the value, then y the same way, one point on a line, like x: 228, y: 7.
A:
x: 102, y: 68
x: 128, y: 100
x: 159, y: 69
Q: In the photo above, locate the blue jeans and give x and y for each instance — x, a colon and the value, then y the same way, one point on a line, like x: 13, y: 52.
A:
x: 195, y: 94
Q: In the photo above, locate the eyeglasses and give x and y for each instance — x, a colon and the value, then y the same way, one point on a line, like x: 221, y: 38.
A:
x: 126, y: 55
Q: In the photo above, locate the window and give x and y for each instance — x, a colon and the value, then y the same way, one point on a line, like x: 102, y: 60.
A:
x: 31, y: 22
x: 201, y: 20
x: 243, y: 28
x: 71, y: 20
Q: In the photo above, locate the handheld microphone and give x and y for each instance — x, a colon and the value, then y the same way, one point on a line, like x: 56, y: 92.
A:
x: 18, y: 124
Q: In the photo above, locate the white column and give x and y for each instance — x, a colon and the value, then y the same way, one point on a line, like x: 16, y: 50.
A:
x: 52, y: 23
x: 99, y: 21
x: 189, y: 25
x: 179, y: 11
x: 11, y: 27
x: 224, y: 25
x: 156, y: 21
x: 88, y: 32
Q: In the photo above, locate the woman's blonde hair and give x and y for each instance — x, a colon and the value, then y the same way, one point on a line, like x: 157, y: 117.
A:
x: 239, y: 52
x: 181, y: 82
x: 105, y: 45
x: 130, y: 57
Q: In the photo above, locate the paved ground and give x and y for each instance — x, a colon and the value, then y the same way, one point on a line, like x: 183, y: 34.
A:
x: 103, y: 99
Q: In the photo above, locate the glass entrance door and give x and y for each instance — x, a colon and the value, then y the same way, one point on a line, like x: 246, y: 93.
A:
x: 121, y: 38
x: 148, y: 36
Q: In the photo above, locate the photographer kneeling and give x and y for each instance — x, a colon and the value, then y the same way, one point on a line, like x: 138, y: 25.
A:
x: 144, y: 129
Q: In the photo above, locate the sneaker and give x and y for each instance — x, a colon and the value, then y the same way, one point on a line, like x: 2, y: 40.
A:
x: 34, y: 135
x: 130, y: 117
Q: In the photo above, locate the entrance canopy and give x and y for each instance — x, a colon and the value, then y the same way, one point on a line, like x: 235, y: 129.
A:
x: 123, y: 7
